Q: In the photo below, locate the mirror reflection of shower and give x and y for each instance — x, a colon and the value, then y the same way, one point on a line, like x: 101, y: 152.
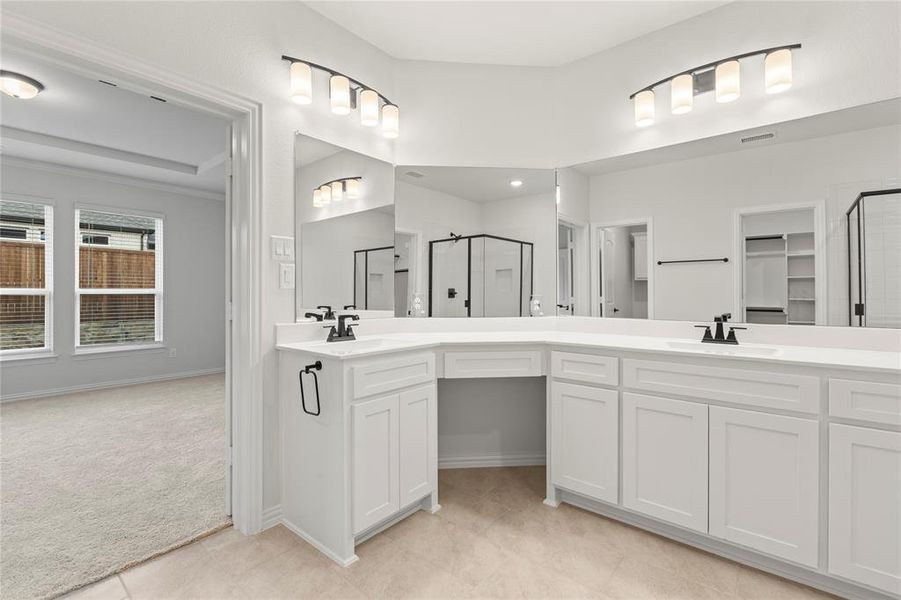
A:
x: 480, y: 276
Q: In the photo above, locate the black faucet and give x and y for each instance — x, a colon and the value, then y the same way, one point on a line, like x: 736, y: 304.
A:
x: 719, y: 337
x: 329, y: 313
x: 350, y: 306
x: 312, y: 315
x: 344, y: 332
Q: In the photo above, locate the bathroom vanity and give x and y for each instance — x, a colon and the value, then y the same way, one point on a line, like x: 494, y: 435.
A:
x: 787, y: 458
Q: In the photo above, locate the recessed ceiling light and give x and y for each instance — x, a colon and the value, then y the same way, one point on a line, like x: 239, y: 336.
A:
x: 516, y: 182
x: 19, y: 86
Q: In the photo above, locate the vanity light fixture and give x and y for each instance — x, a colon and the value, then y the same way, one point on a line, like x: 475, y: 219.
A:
x: 19, y: 86
x: 336, y: 190
x: 346, y: 94
x: 516, y: 183
x: 722, y: 76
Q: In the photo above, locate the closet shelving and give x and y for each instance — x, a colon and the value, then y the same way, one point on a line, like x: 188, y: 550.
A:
x: 780, y: 279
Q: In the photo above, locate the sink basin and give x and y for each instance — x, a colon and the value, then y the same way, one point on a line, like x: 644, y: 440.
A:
x: 352, y: 347
x: 724, y: 349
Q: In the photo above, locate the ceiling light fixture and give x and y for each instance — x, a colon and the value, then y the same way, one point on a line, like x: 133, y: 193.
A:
x: 19, y: 86
x: 336, y: 190
x: 722, y: 76
x: 516, y: 182
x: 346, y: 94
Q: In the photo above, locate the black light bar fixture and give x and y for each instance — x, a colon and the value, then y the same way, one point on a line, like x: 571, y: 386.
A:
x: 722, y: 76
x: 345, y: 94
x: 337, y: 190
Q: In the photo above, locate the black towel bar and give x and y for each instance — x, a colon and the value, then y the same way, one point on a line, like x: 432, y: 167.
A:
x: 692, y: 260
x: 310, y: 370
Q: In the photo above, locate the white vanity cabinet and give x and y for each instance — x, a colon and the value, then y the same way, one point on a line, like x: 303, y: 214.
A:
x: 370, y: 455
x: 585, y: 440
x: 764, y: 483
x: 394, y: 444
x: 665, y: 459
x: 865, y: 506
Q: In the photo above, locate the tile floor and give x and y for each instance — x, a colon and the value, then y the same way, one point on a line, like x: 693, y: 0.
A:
x: 493, y: 538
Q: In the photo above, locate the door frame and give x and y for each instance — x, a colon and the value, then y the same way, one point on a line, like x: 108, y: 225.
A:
x: 819, y: 251
x: 414, y: 283
x: 597, y: 228
x: 582, y: 246
x: 243, y: 238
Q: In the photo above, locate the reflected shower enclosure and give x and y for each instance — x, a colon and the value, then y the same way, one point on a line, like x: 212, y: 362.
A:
x: 874, y: 259
x: 480, y: 276
x: 374, y: 278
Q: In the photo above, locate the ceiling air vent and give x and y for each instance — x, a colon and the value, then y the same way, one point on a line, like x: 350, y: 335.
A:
x: 758, y: 138
x: 415, y: 174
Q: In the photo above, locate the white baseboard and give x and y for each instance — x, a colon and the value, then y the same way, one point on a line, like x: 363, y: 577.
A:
x: 491, y: 460
x: 105, y: 384
x: 272, y: 516
x: 319, y: 546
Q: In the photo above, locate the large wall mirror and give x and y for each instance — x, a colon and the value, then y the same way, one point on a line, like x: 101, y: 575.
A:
x: 798, y: 223
x: 474, y: 242
x: 344, y: 231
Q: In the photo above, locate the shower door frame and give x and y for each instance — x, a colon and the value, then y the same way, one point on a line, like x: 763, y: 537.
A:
x: 859, y: 204
x: 469, y: 239
x: 366, y: 252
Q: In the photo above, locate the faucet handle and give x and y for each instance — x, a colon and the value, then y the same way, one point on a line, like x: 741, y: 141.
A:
x: 708, y: 337
x: 731, y: 339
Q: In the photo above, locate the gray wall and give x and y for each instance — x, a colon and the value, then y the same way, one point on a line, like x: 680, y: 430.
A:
x: 194, y: 286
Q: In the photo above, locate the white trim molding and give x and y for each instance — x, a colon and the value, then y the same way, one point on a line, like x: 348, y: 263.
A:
x: 49, y: 167
x: 492, y: 460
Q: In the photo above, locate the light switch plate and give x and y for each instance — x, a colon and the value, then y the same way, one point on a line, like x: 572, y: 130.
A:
x: 282, y: 248
x: 286, y: 276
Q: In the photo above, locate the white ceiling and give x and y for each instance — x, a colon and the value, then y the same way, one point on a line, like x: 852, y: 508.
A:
x: 82, y: 123
x: 858, y: 118
x: 539, y: 34
x: 480, y: 184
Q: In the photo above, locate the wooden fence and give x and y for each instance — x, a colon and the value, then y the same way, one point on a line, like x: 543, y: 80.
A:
x: 22, y: 265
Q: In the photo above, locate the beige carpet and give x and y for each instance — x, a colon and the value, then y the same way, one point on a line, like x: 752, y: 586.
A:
x: 93, y: 481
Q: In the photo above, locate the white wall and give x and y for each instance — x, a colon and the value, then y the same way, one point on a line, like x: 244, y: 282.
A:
x: 692, y: 204
x: 194, y: 284
x: 474, y: 423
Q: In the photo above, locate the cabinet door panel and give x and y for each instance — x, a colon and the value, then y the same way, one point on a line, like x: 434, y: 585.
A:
x: 665, y: 459
x: 865, y: 506
x: 764, y: 490
x: 584, y: 440
x: 375, y: 468
x: 418, y: 443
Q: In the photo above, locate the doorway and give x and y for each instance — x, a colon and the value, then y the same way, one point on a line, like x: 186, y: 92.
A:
x: 624, y: 271
x: 241, y: 240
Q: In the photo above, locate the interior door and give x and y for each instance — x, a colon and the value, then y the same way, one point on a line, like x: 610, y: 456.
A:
x: 565, y: 265
x: 229, y: 144
x: 607, y: 274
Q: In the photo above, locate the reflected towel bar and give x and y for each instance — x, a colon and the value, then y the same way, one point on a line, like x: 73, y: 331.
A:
x: 692, y: 260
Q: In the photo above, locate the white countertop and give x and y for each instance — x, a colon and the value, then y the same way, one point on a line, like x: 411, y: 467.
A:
x: 372, y: 345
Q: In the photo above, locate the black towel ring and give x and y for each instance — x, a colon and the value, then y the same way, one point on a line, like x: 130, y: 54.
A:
x: 310, y: 370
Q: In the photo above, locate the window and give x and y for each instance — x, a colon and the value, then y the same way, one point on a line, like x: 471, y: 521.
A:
x: 26, y: 277
x: 119, y: 295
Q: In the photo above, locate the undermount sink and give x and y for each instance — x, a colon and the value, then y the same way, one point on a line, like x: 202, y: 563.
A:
x: 724, y: 349
x: 351, y: 347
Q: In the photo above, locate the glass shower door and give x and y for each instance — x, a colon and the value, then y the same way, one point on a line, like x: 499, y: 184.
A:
x: 449, y: 283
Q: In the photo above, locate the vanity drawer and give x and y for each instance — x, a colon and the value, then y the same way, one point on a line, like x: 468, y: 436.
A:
x: 386, y: 375
x: 742, y: 386
x: 865, y: 400
x: 587, y: 368
x: 507, y: 363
